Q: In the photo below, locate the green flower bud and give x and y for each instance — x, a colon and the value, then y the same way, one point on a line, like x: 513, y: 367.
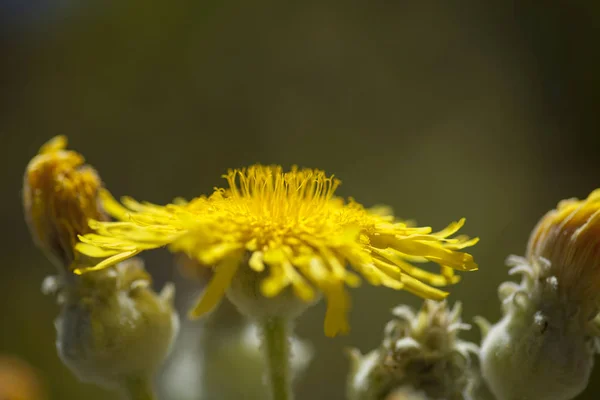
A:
x: 245, y: 293
x: 421, y: 351
x: 240, y: 355
x: 544, y: 346
x: 223, y: 345
x: 113, y: 327
x: 541, y: 348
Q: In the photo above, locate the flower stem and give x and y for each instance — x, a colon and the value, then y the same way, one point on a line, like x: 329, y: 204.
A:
x: 276, y: 345
x: 138, y: 388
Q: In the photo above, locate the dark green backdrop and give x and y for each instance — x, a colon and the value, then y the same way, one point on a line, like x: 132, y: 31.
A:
x: 487, y: 110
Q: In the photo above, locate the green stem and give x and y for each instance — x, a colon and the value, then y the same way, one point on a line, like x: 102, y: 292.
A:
x: 276, y: 345
x: 138, y: 389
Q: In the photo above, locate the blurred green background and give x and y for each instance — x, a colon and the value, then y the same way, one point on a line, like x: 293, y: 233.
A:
x: 487, y: 110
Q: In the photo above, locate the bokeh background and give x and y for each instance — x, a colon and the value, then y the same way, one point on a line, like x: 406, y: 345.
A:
x: 487, y: 110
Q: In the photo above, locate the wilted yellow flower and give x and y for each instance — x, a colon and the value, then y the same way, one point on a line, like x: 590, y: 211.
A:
x: 568, y: 237
x: 59, y: 196
x: 292, y: 223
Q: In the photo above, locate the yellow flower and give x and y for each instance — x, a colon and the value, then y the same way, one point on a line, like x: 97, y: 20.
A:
x: 59, y: 196
x: 292, y: 223
x: 568, y: 237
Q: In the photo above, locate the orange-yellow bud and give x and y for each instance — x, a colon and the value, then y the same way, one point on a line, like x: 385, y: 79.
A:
x: 568, y: 239
x: 59, y: 197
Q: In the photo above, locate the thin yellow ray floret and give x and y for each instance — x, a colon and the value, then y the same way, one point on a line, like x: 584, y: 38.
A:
x: 291, y: 225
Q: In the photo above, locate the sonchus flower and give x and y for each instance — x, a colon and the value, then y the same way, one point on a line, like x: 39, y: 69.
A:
x: 275, y: 230
x: 113, y: 329
x: 420, y: 351
x: 59, y: 196
x: 544, y: 345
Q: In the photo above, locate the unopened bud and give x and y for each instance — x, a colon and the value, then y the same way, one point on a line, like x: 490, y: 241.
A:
x: 420, y: 351
x: 539, y: 349
x: 59, y: 197
x: 568, y: 240
x: 113, y: 327
x: 544, y: 346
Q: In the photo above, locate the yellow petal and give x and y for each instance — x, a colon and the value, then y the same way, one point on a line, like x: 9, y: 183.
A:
x: 94, y: 251
x: 55, y: 144
x: 256, y: 261
x: 224, y: 273
x: 420, y: 289
x: 212, y: 254
x: 416, y: 272
x: 110, y: 261
x: 338, y: 304
x: 275, y: 282
x: 450, y: 229
x: 112, y: 206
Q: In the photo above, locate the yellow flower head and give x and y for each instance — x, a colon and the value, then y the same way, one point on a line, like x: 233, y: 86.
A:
x: 59, y: 196
x: 568, y: 237
x: 290, y: 225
